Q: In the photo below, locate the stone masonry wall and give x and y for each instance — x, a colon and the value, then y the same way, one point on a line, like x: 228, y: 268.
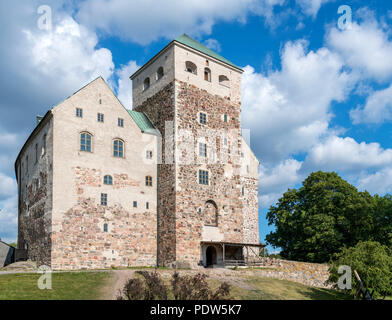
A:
x: 129, y: 241
x: 160, y: 108
x: 35, y: 196
x: 224, y: 174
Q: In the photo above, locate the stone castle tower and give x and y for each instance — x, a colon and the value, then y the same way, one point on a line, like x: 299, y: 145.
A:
x: 207, y: 181
x: 96, y: 188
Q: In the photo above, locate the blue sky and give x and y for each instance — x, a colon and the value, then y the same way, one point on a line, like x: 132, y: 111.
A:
x: 315, y: 96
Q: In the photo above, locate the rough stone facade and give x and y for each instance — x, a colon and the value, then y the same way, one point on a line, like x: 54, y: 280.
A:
x: 64, y: 223
x: 189, y: 213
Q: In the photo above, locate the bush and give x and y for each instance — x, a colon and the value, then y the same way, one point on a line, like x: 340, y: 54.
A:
x: 372, y: 261
x: 183, y: 287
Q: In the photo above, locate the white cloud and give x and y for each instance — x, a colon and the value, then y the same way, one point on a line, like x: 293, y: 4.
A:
x: 7, y: 186
x: 378, y: 108
x: 379, y: 182
x: 124, y: 88
x: 364, y: 47
x: 68, y: 56
x: 311, y: 7
x: 287, y: 111
x: 146, y: 21
x: 346, y: 155
x: 274, y: 181
x: 8, y: 219
x: 213, y: 44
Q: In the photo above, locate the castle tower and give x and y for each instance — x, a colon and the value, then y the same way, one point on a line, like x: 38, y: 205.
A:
x: 207, y: 181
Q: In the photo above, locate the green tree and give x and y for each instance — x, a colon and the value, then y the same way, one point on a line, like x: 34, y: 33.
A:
x: 372, y: 261
x: 317, y: 220
x: 383, y: 219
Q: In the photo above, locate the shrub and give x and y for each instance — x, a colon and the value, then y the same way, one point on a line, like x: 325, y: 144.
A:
x: 183, y: 287
x: 372, y: 261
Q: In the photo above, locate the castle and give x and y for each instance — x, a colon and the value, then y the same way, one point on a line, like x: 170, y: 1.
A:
x: 170, y: 183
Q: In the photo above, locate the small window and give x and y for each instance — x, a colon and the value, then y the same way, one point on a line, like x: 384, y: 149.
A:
x: 203, y: 118
x: 225, y: 141
x: 149, y: 154
x: 100, y: 101
x: 85, y: 142
x: 104, y: 199
x: 203, y: 177
x: 27, y: 164
x: 147, y: 205
x: 118, y: 148
x: 108, y: 180
x: 243, y: 191
x: 191, y: 67
x: 100, y: 117
x: 224, y: 81
x: 207, y: 74
x: 202, y: 149
x: 146, y: 83
x: 36, y: 152
x: 79, y: 112
x: 148, y: 181
x: 225, y: 118
x: 43, y: 145
x: 135, y: 204
x: 105, y: 227
x: 120, y: 122
x: 159, y: 73
x: 247, y: 169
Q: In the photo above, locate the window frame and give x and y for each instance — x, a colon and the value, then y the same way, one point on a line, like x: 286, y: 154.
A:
x: 203, y: 149
x: 106, y: 179
x: 87, y: 134
x: 159, y: 75
x: 79, y: 112
x: 204, y: 123
x: 146, y: 83
x: 204, y: 177
x: 207, y: 74
x: 104, y: 199
x: 118, y: 151
x: 100, y: 117
x: 148, y: 181
x: 120, y: 121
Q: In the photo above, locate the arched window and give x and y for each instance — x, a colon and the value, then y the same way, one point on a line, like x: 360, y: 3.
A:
x: 190, y: 67
x: 207, y: 74
x: 146, y: 83
x: 224, y: 81
x: 148, y: 181
x: 108, y: 180
x: 85, y: 142
x: 159, y: 73
x: 118, y: 148
x: 210, y: 213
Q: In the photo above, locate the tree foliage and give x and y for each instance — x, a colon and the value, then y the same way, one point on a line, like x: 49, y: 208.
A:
x: 372, y: 261
x: 325, y: 214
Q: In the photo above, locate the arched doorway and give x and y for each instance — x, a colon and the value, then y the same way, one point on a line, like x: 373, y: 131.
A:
x: 210, y: 256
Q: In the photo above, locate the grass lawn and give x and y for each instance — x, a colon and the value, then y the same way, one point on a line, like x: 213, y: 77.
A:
x: 274, y: 289
x: 65, y: 286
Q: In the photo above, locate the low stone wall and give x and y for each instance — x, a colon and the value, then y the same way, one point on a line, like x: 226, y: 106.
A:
x: 311, y: 274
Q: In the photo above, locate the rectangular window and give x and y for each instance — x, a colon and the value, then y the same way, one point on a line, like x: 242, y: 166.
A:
x: 135, y: 204
x: 225, y: 142
x: 225, y: 118
x: 202, y: 149
x: 104, y: 199
x: 203, y: 118
x: 27, y: 164
x: 149, y: 154
x: 79, y: 112
x: 120, y: 122
x: 203, y: 177
x: 36, y: 152
x: 243, y: 191
x: 105, y: 227
x: 100, y: 117
x: 149, y: 181
x: 43, y: 145
x: 147, y: 205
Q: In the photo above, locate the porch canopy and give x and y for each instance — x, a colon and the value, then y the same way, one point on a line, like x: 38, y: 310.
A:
x: 244, y: 260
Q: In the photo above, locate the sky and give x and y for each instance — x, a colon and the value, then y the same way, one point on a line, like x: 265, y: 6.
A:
x: 316, y: 87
